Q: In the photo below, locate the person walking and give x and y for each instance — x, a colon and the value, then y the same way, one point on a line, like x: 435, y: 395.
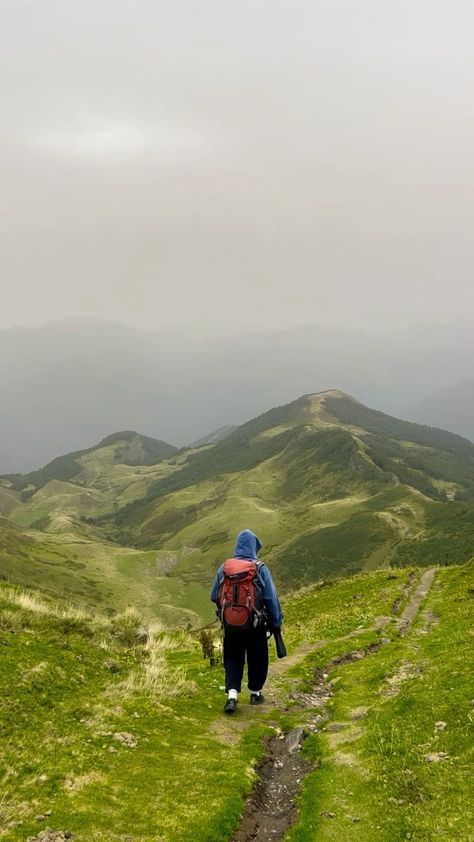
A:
x: 246, y: 604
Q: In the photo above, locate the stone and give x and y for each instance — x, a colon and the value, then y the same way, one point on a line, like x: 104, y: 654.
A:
x: 112, y: 665
x: 293, y: 739
x: 435, y: 756
x: 142, y: 634
x: 127, y: 739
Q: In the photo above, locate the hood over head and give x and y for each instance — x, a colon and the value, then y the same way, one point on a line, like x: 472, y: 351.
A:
x: 247, y: 545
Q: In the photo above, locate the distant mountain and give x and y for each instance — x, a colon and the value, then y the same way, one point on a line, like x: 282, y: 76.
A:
x: 214, y: 437
x: 451, y: 408
x: 331, y: 487
x: 66, y: 384
x: 127, y: 448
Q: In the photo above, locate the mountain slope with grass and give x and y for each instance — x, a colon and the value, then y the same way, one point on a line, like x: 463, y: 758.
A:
x: 104, y: 737
x: 331, y: 486
x: 124, y: 448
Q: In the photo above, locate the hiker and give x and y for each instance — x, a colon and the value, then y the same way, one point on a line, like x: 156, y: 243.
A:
x: 247, y: 605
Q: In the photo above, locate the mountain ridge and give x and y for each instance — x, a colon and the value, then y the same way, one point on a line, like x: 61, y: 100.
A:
x: 67, y: 385
x: 136, y: 449
x: 331, y: 486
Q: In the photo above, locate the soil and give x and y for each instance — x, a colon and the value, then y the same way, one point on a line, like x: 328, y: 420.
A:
x: 271, y: 807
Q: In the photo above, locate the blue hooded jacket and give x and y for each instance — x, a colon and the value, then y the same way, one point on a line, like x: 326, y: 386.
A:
x: 247, y: 546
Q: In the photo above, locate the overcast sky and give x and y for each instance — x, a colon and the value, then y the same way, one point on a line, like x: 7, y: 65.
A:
x: 238, y: 164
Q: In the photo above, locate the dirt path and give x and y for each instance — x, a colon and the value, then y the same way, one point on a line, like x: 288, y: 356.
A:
x: 270, y: 809
x: 412, y: 608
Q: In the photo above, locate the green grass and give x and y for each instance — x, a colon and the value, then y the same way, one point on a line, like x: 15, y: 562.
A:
x: 70, y: 680
x: 330, y: 487
x: 374, y: 769
x: 59, y: 708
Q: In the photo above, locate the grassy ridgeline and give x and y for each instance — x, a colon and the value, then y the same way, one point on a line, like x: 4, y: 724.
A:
x: 331, y: 487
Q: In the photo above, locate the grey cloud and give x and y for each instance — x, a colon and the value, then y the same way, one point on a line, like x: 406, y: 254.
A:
x: 237, y: 165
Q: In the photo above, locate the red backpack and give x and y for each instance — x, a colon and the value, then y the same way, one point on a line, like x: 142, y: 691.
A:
x: 240, y: 595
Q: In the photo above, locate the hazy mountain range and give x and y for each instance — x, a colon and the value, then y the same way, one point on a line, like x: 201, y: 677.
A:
x: 330, y: 485
x: 66, y: 384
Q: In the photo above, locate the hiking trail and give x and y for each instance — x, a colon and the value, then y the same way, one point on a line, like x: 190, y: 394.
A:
x: 270, y: 808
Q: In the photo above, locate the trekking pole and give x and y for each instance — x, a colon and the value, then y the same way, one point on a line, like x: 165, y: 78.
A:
x: 279, y: 642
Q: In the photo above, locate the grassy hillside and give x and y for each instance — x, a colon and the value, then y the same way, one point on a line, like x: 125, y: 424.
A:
x: 330, y: 486
x: 397, y: 765
x: 99, y: 573
x: 109, y: 739
x: 125, y: 448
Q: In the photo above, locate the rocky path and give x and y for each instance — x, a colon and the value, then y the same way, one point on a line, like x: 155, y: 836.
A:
x: 270, y: 809
x: 413, y: 605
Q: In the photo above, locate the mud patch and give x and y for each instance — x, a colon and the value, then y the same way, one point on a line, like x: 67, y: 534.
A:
x: 270, y: 809
x: 398, y: 601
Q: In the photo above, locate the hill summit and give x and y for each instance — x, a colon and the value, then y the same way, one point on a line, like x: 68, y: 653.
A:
x: 330, y: 486
x: 127, y: 448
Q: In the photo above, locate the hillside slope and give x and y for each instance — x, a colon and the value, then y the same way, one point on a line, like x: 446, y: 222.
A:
x: 124, y: 448
x: 330, y: 486
x: 106, y: 738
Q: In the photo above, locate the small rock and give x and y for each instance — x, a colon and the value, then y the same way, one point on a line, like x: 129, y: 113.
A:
x: 112, y: 665
x: 49, y: 835
x: 335, y: 726
x: 142, y: 634
x: 440, y: 725
x: 47, y: 812
x: 435, y: 756
x: 40, y: 817
x: 126, y: 739
x: 353, y: 818
x: 327, y: 814
x: 293, y: 739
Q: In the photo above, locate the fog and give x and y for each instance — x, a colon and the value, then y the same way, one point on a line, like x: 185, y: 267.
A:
x: 66, y: 385
x: 226, y: 168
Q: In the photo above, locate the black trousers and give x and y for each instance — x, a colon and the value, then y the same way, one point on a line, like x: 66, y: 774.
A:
x: 254, y: 645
